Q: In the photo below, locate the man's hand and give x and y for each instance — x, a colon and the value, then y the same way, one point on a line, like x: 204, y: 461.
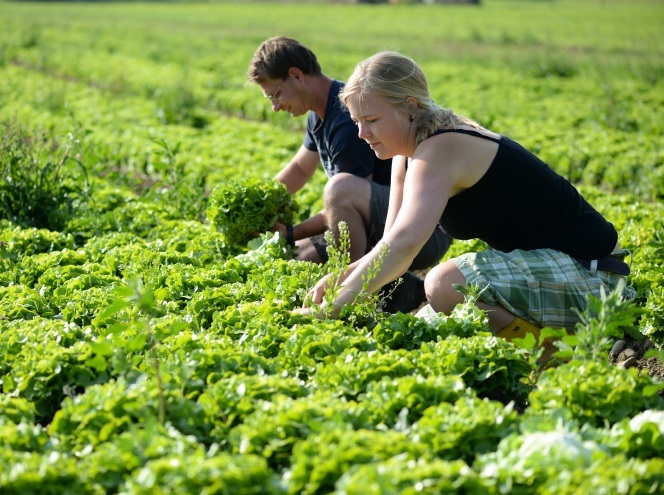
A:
x: 277, y: 227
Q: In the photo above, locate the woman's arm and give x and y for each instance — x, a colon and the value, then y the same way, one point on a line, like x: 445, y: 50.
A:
x: 425, y: 192
x: 396, y: 189
x: 441, y: 165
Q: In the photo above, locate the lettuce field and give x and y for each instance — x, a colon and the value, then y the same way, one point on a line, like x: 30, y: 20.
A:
x: 141, y: 351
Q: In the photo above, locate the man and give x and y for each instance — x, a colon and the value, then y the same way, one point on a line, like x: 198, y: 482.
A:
x: 358, y: 188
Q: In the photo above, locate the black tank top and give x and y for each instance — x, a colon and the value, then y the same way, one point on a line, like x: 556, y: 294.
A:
x: 521, y: 203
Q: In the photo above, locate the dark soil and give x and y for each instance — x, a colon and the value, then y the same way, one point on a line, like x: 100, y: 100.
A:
x: 651, y: 365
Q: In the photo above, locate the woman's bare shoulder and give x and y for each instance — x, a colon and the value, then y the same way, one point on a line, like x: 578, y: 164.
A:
x: 465, y: 158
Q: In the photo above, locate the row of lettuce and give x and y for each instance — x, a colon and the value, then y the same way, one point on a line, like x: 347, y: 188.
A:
x: 141, y: 353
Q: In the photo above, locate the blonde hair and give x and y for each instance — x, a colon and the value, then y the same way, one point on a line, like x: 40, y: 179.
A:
x: 394, y: 78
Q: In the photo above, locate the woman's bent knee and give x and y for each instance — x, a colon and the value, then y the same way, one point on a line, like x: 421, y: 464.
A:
x: 439, y: 287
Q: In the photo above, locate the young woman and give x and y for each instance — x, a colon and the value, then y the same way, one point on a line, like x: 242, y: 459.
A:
x: 550, y: 248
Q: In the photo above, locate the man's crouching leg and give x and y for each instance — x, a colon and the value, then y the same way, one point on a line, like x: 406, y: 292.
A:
x: 311, y: 249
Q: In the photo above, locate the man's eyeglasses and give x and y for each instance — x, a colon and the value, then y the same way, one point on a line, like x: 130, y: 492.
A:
x: 275, y: 96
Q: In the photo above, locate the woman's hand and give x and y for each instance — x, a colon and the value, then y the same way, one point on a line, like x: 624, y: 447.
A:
x: 315, y: 295
x: 322, y: 312
x: 314, y: 304
x: 315, y: 311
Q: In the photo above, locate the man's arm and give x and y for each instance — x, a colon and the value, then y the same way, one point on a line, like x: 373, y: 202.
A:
x: 310, y: 227
x: 295, y: 175
x: 299, y: 170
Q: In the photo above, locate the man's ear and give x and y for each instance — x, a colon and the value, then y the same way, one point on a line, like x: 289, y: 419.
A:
x: 296, y: 73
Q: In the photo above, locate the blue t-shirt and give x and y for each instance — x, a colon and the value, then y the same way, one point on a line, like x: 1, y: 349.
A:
x: 338, y: 145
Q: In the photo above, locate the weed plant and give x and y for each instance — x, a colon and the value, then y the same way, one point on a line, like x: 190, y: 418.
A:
x: 38, y: 190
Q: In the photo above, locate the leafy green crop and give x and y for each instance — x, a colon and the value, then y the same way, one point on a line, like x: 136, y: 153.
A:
x: 594, y: 392
x: 405, y: 399
x: 561, y: 461
x: 640, y: 436
x: 278, y: 425
x: 240, y: 208
x: 323, y: 457
x: 144, y: 350
x: 491, y: 366
x: 522, y: 463
x: 405, y: 476
x: 200, y: 472
x: 466, y: 427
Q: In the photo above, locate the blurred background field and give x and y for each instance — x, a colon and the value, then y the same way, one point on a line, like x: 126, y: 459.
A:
x: 580, y: 82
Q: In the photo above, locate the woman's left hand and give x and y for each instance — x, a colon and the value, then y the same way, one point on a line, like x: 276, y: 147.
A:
x: 314, y: 311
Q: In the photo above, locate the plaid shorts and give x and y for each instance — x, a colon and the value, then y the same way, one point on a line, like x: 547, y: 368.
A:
x: 542, y: 286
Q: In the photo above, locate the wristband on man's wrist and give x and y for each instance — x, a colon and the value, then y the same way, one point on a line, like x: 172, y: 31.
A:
x: 290, y: 239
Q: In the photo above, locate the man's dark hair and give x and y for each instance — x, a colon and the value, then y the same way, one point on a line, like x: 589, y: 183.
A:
x: 276, y: 55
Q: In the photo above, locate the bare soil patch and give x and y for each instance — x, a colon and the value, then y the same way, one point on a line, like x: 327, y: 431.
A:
x: 651, y: 365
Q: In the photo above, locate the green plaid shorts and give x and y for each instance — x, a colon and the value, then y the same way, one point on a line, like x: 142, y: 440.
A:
x: 542, y: 286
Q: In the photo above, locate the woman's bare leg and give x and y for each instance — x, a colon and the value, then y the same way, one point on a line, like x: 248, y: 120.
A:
x: 442, y: 296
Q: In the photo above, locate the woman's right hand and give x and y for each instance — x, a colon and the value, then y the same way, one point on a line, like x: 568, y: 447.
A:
x: 314, y: 303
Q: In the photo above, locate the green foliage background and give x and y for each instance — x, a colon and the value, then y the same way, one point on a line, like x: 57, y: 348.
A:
x: 140, y: 353
x: 579, y: 82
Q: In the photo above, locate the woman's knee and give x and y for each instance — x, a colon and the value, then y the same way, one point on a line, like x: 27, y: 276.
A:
x: 439, y: 287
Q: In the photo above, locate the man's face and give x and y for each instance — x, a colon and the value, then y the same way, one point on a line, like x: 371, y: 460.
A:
x: 283, y: 95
